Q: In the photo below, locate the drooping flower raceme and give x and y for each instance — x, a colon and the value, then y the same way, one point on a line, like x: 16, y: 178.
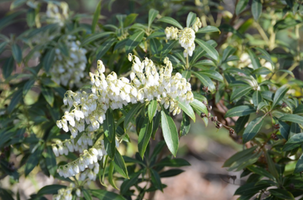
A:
x: 68, y: 70
x: 86, y: 110
x: 185, y: 36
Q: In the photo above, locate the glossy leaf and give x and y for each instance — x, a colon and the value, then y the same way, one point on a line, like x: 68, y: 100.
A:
x: 240, y: 111
x: 191, y: 18
x: 271, y: 166
x: 120, y: 164
x: 16, y: 98
x: 199, y: 106
x: 8, y: 67
x: 241, y: 5
x: 106, y: 195
x: 187, y: 109
x: 170, y: 173
x: 144, y: 136
x: 152, y: 109
x: 17, y: 53
x: 254, y: 59
x: 175, y: 162
x: 152, y: 14
x: 109, y: 126
x: 96, y: 16
x: 292, y: 118
x: 86, y: 194
x: 95, y: 37
x: 238, y: 156
x: 240, y: 92
x: 133, y: 41
x: 257, y: 98
x: 213, y: 74
x: 33, y: 160
x: 156, y: 179
x: 50, y: 189
x: 110, y: 175
x: 50, y: 160
x: 210, y: 50
x: 253, y: 129
x: 48, y: 59
x: 293, y: 142
x: 280, y: 93
x: 282, y: 194
x: 130, y: 115
x: 205, y: 81
x: 127, y: 183
x: 48, y: 95
x: 171, y: 21
x: 256, y: 9
x: 105, y: 47
x: 208, y: 29
x: 129, y: 19
x: 185, y: 125
x: 170, y: 132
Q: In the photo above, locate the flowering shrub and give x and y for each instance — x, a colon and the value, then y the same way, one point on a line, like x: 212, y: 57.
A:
x: 153, y: 78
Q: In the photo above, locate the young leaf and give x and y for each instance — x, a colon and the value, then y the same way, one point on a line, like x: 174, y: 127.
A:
x: 144, y: 136
x: 48, y: 59
x: 170, y: 132
x: 133, y: 41
x: 187, y: 109
x: 120, y: 164
x: 96, y: 16
x: 171, y: 21
x: 240, y: 92
x: 191, y: 18
x: 253, y: 129
x: 205, y: 81
x: 256, y: 9
x: 210, y: 50
x: 109, y: 126
x: 129, y: 19
x: 17, y: 53
x: 241, y: 5
x: 152, y: 14
x: 280, y: 93
x: 152, y: 109
x: 240, y: 111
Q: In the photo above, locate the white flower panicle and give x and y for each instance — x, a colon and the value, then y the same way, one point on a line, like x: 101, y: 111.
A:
x: 69, y: 70
x: 54, y: 15
x: 185, y: 36
x: 66, y: 193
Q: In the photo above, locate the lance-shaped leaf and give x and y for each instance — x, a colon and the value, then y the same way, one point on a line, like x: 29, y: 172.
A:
x: 152, y: 109
x: 152, y: 14
x: 240, y: 111
x: 144, y: 136
x: 130, y: 19
x: 96, y: 16
x: 105, y: 195
x: 17, y: 53
x: 170, y: 132
x: 86, y: 194
x: 205, y: 81
x: 187, y: 109
x: 105, y: 47
x: 292, y: 118
x: 191, y: 18
x: 48, y: 59
x: 213, y: 74
x: 156, y: 179
x: 239, y: 155
x: 199, y: 106
x: 127, y: 183
x: 299, y: 165
x: 48, y: 95
x: 8, y: 67
x: 254, y: 59
x: 281, y: 194
x: 253, y: 129
x: 210, y: 50
x: 133, y: 41
x: 271, y: 166
x: 256, y: 9
x: 280, y: 93
x: 50, y: 189
x: 257, y: 98
x: 293, y: 142
x: 110, y: 174
x: 185, y: 125
x: 240, y: 92
x: 95, y: 37
x: 109, y: 126
x: 208, y: 29
x: 171, y: 21
x: 241, y: 5
x: 120, y: 164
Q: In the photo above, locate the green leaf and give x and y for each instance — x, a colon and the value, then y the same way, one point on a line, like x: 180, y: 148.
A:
x: 120, y: 164
x: 284, y: 129
x: 266, y: 55
x: 152, y: 14
x: 256, y: 9
x: 208, y: 29
x: 109, y: 126
x: 191, y: 18
x: 156, y: 179
x: 129, y: 19
x: 152, y: 109
x: 299, y: 110
x: 238, y: 156
x: 50, y: 189
x: 198, y: 53
x: 110, y: 147
x: 110, y: 174
x: 130, y: 115
x: 295, y: 141
x: 48, y: 95
x: 253, y: 129
x: 205, y: 81
x: 241, y: 122
x: 33, y: 159
x: 210, y: 50
x: 170, y: 173
x: 30, y: 17
x: 240, y: 111
x: 271, y: 166
x: 227, y: 52
x: 257, y: 98
x: 86, y: 194
x: 299, y: 165
x: 168, y: 47
x: 4, y: 194
x: 16, y: 98
x: 292, y: 118
x: 281, y: 194
x: 260, y: 171
x: 170, y: 132
x: 95, y: 37
x: 133, y: 41
x: 105, y: 195
x: 171, y: 21
x: 9, y: 19
x: 144, y: 136
x: 176, y: 162
x: 160, y: 145
x: 186, y: 74
x: 241, y: 5
x: 8, y: 67
x: 187, y: 109
x: 185, y: 125
x: 48, y: 59
x: 17, y: 3
x: 199, y: 106
x: 248, y: 190
x: 127, y: 183
x: 27, y: 86
x: 286, y: 23
x: 240, y: 92
x: 254, y: 59
x: 279, y: 95
x: 50, y: 160
x: 96, y: 16
x: 2, y: 46
x: 213, y: 74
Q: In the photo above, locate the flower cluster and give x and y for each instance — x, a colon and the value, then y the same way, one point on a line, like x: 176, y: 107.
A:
x: 185, y: 36
x: 54, y: 15
x: 68, y: 70
x: 86, y: 110
x: 66, y: 193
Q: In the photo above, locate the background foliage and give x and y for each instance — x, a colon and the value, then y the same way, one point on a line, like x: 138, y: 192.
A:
x: 244, y: 73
